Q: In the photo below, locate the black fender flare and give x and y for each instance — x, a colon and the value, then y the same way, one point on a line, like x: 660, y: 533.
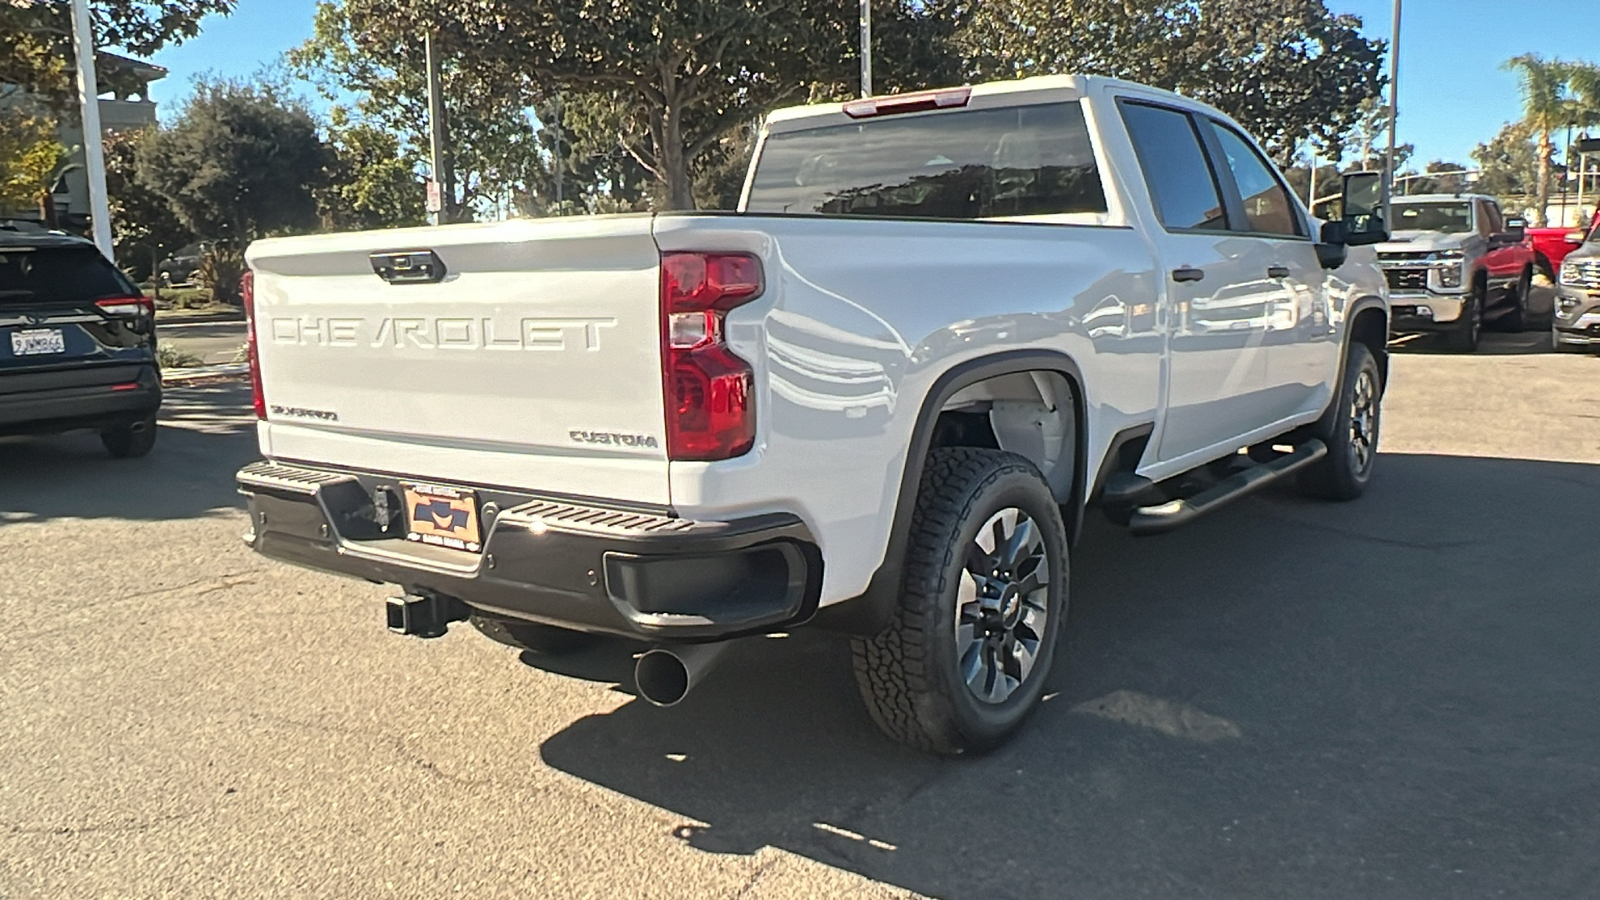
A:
x: 1324, y: 422
x: 871, y: 611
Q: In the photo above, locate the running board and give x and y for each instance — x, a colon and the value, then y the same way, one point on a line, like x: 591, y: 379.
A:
x: 1176, y: 513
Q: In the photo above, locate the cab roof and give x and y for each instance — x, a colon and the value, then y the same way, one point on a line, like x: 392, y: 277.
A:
x: 1038, y: 89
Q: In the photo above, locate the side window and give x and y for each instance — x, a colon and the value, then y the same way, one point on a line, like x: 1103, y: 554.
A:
x: 1175, y: 168
x: 1492, y: 220
x: 1267, y: 206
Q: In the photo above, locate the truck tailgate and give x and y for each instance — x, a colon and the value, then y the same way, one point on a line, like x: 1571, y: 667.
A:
x: 534, y: 363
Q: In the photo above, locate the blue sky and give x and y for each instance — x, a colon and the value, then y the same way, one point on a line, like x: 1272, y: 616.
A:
x: 1453, y: 94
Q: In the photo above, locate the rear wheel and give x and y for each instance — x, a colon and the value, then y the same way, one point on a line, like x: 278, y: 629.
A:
x: 1519, y: 316
x: 964, y: 661
x: 131, y: 440
x: 1351, y: 434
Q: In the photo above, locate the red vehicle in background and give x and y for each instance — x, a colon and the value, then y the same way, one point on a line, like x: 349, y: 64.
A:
x: 1551, y: 246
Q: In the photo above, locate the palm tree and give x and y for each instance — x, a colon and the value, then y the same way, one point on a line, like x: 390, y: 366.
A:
x: 1585, y: 83
x: 1547, y: 106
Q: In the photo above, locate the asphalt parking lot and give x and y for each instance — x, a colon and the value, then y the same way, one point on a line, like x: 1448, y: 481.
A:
x: 210, y: 342
x: 1389, y: 698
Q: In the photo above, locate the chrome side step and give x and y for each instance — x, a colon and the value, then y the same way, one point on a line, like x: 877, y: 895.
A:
x: 1165, y: 517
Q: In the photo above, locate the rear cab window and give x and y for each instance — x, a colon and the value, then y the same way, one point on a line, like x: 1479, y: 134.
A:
x: 1016, y: 162
x: 1181, y: 183
x: 54, y: 276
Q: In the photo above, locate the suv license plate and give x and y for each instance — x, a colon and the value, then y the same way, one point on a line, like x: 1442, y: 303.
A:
x: 37, y: 342
x: 442, y: 516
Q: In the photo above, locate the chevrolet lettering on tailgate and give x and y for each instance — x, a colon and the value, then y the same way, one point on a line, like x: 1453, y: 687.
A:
x: 429, y: 333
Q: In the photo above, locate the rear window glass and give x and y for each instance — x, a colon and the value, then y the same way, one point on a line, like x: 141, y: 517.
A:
x: 1018, y: 161
x: 59, y: 275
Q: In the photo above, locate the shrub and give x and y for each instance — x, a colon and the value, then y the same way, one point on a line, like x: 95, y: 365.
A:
x: 172, y: 358
x: 219, y: 273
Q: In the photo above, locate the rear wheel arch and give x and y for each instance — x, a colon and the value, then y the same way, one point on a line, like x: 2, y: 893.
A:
x: 872, y: 610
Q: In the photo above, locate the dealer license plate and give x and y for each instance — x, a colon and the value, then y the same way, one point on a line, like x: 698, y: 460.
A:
x: 442, y: 516
x: 38, y: 342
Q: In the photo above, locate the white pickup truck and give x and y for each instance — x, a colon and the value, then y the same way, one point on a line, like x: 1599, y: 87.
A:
x: 877, y: 398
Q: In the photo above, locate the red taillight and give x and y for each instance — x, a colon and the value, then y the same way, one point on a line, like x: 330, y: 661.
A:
x: 709, y: 390
x: 127, y: 306
x: 923, y: 101
x: 247, y: 294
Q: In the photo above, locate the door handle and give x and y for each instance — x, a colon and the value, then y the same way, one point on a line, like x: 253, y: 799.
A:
x: 1188, y: 274
x: 1277, y: 271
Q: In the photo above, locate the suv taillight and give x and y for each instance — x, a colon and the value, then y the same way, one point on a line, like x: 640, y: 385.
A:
x: 709, y: 391
x: 247, y: 295
x: 127, y: 306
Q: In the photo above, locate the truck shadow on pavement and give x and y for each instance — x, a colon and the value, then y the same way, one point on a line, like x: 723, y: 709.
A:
x: 1387, y: 698
x: 207, y: 433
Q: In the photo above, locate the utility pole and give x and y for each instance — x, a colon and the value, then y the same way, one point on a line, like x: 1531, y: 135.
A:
x: 1394, y: 111
x: 1566, y: 157
x: 442, y: 180
x: 94, y: 149
x: 559, y: 163
x: 866, y: 48
x: 1311, y: 187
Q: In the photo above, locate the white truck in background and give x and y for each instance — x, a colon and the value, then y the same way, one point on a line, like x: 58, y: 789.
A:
x: 877, y: 398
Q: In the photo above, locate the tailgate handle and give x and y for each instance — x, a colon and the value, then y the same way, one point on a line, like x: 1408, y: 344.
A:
x: 408, y: 266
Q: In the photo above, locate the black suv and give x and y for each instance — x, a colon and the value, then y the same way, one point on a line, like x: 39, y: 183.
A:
x: 77, y: 344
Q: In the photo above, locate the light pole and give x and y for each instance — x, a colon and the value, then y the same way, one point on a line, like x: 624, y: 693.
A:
x: 441, y: 194
x: 1311, y: 187
x: 866, y: 48
x: 1566, y: 157
x: 94, y: 150
x: 1394, y: 110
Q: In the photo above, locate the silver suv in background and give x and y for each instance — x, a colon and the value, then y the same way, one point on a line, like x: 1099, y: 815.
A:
x: 1576, y: 324
x: 1455, y: 262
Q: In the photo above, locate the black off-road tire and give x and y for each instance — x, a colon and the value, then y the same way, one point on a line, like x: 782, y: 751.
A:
x: 908, y: 674
x: 1520, y: 316
x: 1344, y: 473
x: 1465, y: 337
x: 130, y: 441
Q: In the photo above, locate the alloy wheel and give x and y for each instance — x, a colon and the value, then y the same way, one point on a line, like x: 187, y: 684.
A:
x: 1002, y: 605
x: 1364, y: 421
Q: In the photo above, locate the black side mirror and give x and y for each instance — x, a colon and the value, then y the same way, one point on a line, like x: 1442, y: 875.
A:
x: 1516, y: 232
x: 1363, y: 221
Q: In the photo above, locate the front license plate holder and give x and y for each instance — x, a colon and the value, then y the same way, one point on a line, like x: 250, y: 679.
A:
x: 442, y: 516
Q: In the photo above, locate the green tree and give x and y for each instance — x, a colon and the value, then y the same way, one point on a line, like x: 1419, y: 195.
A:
x: 30, y: 155
x: 1508, y: 163
x: 373, y: 181
x: 1287, y: 70
x: 144, y: 228
x: 1437, y: 177
x: 681, y: 73
x: 36, y: 38
x: 492, y: 147
x: 1549, y: 104
x: 240, y: 162
x: 579, y: 138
